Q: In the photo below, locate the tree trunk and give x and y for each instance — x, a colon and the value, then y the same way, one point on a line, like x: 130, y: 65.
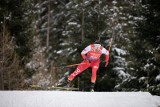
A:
x: 82, y: 32
x: 2, y: 79
x: 48, y: 30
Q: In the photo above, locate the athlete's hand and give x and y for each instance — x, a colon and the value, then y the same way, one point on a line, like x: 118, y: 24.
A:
x: 86, y: 59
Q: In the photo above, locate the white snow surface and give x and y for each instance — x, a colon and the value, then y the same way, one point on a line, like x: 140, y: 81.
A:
x: 158, y: 78
x: 77, y: 99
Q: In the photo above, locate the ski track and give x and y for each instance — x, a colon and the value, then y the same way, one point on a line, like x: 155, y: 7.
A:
x: 77, y: 99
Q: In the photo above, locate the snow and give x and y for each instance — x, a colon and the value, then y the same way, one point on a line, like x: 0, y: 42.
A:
x: 120, y: 51
x: 59, y: 52
x: 142, y: 79
x: 77, y: 99
x: 158, y: 77
x: 114, y: 2
x: 120, y: 72
x: 64, y: 44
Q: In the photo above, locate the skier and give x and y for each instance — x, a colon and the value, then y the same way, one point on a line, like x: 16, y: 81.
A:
x: 91, y: 55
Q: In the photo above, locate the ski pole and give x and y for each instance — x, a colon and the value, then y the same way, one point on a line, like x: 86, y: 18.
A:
x: 71, y: 65
x: 110, y: 45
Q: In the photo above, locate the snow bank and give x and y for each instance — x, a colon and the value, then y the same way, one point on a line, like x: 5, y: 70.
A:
x: 77, y: 99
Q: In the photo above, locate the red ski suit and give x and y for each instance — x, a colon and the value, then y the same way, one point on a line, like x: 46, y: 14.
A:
x: 91, y: 55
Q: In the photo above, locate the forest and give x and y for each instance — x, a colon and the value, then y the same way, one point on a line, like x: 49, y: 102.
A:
x: 39, y: 38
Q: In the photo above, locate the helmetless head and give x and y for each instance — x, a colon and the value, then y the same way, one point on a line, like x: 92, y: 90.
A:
x: 97, y: 47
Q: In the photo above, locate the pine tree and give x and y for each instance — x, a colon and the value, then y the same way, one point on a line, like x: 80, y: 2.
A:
x: 11, y: 73
x: 142, y: 66
x: 15, y: 14
x: 148, y: 32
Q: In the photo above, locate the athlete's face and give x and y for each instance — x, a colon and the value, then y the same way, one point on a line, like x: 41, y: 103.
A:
x: 97, y: 47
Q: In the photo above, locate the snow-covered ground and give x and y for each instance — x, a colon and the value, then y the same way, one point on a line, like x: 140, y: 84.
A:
x: 77, y: 99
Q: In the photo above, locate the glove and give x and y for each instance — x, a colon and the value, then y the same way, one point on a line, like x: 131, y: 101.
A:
x: 85, y: 58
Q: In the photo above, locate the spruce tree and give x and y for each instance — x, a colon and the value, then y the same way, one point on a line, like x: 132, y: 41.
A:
x: 15, y: 14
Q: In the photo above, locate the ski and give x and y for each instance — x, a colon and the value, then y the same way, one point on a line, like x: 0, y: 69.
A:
x: 38, y: 87
x: 65, y: 88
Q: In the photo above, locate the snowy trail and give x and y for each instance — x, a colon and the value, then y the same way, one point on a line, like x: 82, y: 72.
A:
x: 77, y: 99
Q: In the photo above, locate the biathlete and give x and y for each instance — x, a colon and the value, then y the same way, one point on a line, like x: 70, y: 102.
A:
x: 91, y: 55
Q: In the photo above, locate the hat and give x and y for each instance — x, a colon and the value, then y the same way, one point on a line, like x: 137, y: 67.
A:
x: 97, y: 42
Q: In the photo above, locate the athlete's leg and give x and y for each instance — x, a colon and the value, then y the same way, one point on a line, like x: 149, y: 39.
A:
x: 83, y: 66
x: 95, y: 66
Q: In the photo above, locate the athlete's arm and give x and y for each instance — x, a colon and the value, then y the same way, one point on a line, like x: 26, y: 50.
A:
x: 106, y: 52
x: 85, y: 51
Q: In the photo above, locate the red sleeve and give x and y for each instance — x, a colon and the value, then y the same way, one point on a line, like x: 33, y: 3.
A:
x: 107, y: 57
x: 83, y: 56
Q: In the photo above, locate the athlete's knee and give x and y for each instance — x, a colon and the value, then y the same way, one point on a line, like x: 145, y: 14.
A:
x: 95, y: 67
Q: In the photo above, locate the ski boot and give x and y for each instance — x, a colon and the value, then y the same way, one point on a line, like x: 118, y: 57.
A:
x: 92, y: 87
x: 66, y: 83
